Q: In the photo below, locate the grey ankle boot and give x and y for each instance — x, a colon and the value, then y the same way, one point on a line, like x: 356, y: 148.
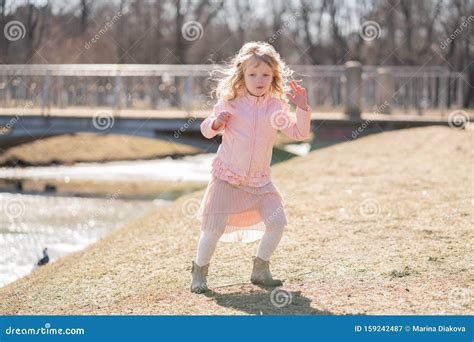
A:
x: 199, y: 284
x: 261, y: 274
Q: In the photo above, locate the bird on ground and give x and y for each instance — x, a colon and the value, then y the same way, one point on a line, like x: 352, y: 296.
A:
x: 45, y: 259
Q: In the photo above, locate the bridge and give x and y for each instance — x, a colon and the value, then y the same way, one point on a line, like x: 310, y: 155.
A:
x: 182, y: 128
x: 169, y: 101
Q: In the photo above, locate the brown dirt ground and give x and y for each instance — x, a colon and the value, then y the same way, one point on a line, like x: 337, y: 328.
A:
x: 379, y: 225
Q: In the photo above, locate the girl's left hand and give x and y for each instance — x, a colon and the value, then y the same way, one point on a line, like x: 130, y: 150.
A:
x: 299, y: 97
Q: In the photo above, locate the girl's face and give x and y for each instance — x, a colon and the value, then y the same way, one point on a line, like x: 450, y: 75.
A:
x: 258, y: 77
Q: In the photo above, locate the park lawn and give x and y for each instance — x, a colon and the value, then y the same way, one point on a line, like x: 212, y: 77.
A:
x: 379, y: 225
x: 88, y: 147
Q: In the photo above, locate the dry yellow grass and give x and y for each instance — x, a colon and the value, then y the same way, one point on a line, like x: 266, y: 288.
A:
x: 88, y: 147
x: 380, y: 225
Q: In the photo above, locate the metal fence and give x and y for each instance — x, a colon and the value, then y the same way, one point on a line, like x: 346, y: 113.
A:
x: 133, y: 86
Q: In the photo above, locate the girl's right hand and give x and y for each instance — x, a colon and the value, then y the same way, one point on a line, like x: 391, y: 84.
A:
x: 221, y: 120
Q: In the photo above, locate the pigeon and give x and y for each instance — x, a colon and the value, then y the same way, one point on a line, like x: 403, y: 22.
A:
x: 45, y: 259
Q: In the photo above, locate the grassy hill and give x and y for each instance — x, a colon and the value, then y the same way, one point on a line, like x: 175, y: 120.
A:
x: 379, y: 225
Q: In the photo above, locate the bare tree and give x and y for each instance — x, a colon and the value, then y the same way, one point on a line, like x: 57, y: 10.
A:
x: 84, y: 14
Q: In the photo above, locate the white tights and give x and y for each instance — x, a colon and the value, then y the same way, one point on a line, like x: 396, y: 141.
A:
x: 208, y: 242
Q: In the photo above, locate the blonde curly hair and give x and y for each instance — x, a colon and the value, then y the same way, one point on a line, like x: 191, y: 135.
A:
x: 230, y: 78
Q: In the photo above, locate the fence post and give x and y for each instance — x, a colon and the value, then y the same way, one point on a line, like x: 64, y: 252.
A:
x: 353, y: 88
x: 46, y: 92
x: 384, y: 91
x: 460, y: 90
x: 62, y: 99
x: 188, y: 93
x: 117, y: 90
x: 6, y: 91
x: 443, y: 92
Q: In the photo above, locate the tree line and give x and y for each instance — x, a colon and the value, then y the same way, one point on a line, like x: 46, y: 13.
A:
x: 389, y: 32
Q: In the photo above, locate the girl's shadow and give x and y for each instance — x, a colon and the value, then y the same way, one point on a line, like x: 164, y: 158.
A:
x: 275, y: 301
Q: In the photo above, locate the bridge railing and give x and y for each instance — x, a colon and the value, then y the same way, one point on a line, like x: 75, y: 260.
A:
x: 152, y: 87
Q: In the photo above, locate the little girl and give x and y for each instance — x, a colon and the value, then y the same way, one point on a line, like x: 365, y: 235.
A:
x: 241, y: 203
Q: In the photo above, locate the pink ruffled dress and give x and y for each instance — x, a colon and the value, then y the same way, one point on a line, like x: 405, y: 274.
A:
x: 240, y: 201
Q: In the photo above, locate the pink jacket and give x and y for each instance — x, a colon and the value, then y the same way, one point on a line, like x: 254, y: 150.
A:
x: 245, y: 154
